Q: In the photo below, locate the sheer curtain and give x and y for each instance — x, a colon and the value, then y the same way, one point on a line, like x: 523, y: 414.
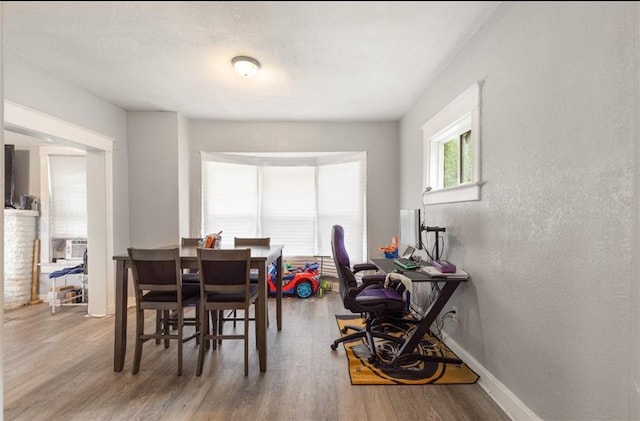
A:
x: 295, y: 199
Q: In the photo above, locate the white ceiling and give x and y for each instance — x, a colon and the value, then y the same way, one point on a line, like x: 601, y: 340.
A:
x: 345, y: 61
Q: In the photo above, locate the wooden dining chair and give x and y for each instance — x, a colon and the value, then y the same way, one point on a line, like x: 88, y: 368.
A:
x: 158, y: 286
x: 190, y: 241
x: 258, y: 241
x: 224, y: 284
x: 190, y: 275
x: 246, y: 242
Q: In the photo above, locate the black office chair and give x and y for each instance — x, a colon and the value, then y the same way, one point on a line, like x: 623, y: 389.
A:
x: 369, y: 297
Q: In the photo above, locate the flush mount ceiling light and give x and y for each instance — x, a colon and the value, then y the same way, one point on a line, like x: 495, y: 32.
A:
x: 246, y: 66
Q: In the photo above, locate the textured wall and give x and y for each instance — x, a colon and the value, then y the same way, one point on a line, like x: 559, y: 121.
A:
x: 34, y: 88
x: 378, y: 139
x: 153, y: 178
x: 549, y: 245
x: 19, y: 233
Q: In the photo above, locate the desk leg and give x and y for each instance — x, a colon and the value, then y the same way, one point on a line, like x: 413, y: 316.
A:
x: 279, y: 292
x: 423, y: 327
x: 262, y: 319
x: 120, y: 340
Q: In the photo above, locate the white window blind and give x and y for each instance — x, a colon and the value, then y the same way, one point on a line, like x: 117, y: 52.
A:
x: 289, y: 207
x: 68, y: 196
x: 230, y: 199
x: 341, y: 190
x: 294, y: 200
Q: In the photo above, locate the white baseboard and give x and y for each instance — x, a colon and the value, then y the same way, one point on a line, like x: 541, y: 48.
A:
x: 509, y: 402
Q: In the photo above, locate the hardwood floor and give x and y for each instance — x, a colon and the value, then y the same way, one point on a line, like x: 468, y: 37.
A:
x: 60, y: 367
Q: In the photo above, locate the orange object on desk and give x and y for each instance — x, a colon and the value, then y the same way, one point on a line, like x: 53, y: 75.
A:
x: 391, y: 249
x: 213, y: 240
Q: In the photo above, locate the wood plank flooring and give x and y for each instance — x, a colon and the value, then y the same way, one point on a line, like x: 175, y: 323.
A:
x: 60, y: 367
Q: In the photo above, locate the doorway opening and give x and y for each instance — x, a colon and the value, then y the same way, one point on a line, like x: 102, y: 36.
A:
x: 98, y: 149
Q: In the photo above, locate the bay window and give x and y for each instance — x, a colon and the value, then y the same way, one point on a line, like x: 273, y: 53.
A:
x: 293, y: 198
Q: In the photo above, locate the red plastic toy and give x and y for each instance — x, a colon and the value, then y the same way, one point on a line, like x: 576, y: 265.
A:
x: 302, y: 281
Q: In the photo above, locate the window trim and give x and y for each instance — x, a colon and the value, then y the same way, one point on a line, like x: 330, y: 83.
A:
x: 438, y: 142
x: 314, y: 159
x: 45, y: 219
x: 466, y: 104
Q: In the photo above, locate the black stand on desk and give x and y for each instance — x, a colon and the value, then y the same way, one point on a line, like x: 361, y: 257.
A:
x: 423, y: 326
x: 437, y: 239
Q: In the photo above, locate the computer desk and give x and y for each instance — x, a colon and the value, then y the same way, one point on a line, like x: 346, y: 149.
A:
x: 436, y: 306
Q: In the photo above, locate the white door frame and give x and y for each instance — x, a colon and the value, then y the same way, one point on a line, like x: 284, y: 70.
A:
x: 99, y: 150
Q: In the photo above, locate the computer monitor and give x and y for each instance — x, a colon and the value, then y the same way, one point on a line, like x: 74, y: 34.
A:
x: 410, y: 228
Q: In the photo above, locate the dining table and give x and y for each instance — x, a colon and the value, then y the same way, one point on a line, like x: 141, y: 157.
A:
x: 261, y: 259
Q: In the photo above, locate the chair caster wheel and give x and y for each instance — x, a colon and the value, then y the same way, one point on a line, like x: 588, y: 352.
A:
x: 334, y: 346
x: 344, y: 330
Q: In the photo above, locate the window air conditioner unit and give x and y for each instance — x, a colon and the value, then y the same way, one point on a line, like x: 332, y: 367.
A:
x: 76, y: 249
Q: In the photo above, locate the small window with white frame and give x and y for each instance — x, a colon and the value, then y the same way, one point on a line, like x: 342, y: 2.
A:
x: 63, y: 200
x: 452, y: 151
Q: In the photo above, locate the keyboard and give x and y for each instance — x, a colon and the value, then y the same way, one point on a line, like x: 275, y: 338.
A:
x: 406, y: 263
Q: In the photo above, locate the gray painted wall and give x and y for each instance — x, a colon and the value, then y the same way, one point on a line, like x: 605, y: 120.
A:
x: 634, y: 334
x: 543, y: 312
x: 379, y: 140
x: 27, y: 165
x: 549, y: 246
x: 153, y: 178
x: 2, y: 189
x: 34, y: 88
x: 22, y: 170
x: 183, y: 177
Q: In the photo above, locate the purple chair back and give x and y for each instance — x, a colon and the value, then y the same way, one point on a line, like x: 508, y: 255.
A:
x: 337, y: 246
x: 343, y: 266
